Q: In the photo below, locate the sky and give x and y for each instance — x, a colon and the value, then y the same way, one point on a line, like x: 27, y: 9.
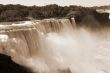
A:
x: 59, y: 2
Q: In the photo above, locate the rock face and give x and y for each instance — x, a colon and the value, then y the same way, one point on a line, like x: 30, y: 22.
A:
x: 8, y: 66
x: 101, y: 18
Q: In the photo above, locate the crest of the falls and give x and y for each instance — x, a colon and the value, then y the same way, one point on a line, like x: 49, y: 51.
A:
x: 53, y: 44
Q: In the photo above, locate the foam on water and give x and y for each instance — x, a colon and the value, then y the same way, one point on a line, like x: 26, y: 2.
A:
x: 3, y: 37
x: 81, y: 52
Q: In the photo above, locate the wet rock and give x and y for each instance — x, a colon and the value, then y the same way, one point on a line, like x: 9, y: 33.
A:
x: 8, y: 66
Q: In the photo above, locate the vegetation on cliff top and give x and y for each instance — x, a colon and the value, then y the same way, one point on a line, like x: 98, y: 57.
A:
x: 20, y: 13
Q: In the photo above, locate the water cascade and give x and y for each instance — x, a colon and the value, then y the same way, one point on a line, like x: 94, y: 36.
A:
x: 56, y: 46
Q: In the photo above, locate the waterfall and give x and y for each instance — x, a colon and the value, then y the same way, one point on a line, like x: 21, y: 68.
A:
x: 56, y: 46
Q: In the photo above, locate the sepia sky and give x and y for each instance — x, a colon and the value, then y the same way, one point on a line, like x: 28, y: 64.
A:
x: 59, y: 2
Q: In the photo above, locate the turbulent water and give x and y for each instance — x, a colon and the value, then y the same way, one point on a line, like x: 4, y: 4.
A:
x: 57, y: 46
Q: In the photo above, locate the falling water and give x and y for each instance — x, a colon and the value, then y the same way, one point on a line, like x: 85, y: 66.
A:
x: 54, y: 45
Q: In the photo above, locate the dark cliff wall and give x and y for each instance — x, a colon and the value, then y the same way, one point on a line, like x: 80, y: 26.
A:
x: 102, y: 17
x: 93, y: 19
x: 8, y: 66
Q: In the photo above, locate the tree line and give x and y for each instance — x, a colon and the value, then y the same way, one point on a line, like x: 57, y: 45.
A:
x: 20, y: 12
